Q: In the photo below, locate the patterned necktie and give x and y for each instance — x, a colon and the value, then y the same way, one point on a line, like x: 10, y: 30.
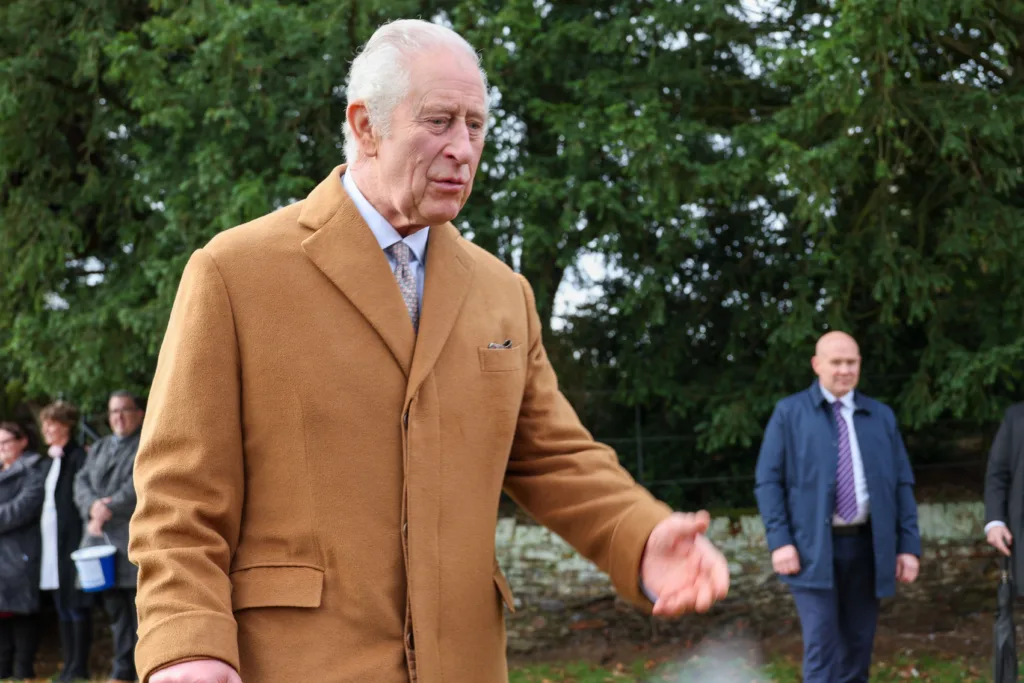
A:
x: 846, y: 489
x: 406, y: 282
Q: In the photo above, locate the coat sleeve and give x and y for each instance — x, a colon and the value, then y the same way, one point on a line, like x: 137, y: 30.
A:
x: 770, y: 482
x: 123, y: 500
x: 572, y: 484
x: 83, y: 491
x: 26, y: 506
x: 189, y: 479
x: 999, y: 473
x: 908, y: 536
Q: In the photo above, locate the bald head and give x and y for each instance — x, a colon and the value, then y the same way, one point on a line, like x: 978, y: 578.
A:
x: 836, y: 362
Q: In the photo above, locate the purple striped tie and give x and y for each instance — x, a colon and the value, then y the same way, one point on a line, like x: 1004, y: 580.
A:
x: 846, y: 489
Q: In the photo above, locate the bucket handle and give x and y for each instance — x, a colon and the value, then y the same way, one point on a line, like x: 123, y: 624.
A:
x: 91, y: 536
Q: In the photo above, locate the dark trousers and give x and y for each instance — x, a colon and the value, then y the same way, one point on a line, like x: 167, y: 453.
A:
x: 838, y: 624
x: 124, y: 626
x: 18, y: 640
x: 75, y: 639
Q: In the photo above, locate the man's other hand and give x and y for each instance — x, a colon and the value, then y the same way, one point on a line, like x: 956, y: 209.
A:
x: 682, y: 567
x: 199, y: 671
x: 907, y: 566
x: 786, y: 560
x: 1000, y: 538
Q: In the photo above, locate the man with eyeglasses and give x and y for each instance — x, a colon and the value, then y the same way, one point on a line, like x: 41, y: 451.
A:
x: 105, y: 496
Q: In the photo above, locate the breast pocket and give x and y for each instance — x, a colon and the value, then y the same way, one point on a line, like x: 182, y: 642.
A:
x: 501, y: 359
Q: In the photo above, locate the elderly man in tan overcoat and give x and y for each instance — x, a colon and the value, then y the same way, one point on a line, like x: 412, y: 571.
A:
x: 345, y: 387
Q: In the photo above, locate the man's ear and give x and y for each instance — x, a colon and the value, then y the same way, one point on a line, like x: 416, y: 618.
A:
x: 359, y: 121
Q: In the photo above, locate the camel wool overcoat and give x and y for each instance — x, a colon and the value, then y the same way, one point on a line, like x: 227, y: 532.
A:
x: 318, y: 484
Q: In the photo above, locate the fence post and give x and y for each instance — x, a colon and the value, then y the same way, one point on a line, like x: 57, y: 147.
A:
x: 639, y: 447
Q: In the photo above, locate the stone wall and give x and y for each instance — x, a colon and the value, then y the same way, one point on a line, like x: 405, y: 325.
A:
x: 556, y: 590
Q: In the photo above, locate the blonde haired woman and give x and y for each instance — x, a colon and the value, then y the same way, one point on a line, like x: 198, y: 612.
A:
x: 61, y: 526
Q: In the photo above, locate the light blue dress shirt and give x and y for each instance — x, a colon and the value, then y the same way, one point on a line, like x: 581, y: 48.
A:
x: 386, y: 235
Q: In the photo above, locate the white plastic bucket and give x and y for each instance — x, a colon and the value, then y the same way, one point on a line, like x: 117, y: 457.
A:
x: 95, y: 565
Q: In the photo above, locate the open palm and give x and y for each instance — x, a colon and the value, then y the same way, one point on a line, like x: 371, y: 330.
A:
x: 682, y: 567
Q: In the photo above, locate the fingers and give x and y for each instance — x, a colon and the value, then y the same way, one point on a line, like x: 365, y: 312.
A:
x: 676, y: 603
x: 906, y: 569
x: 788, y: 566
x: 689, y: 523
x: 697, y: 598
x: 675, y: 532
x: 720, y: 580
x: 705, y: 597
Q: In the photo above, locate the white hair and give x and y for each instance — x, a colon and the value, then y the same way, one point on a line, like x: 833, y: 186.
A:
x: 379, y: 77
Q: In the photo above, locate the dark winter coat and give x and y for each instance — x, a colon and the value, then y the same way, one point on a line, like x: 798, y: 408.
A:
x: 21, y: 503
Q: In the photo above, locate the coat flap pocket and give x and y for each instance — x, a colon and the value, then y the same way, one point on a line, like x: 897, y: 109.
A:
x: 506, y: 593
x: 501, y: 360
x: 281, y: 586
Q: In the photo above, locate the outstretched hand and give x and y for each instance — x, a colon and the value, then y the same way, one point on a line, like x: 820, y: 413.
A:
x: 682, y: 567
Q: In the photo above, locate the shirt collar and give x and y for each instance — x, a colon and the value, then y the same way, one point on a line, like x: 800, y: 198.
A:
x: 846, y: 400
x: 384, y: 232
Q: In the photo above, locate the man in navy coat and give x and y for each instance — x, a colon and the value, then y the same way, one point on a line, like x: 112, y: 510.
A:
x: 835, y: 491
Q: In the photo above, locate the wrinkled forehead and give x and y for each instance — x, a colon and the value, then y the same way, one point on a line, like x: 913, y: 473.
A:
x: 451, y: 101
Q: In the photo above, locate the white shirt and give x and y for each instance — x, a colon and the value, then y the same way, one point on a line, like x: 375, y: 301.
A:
x: 860, y: 484
x: 386, y: 234
x: 49, y: 578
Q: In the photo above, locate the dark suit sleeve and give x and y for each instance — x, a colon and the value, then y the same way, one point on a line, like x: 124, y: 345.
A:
x: 770, y: 482
x: 999, y: 473
x: 908, y: 536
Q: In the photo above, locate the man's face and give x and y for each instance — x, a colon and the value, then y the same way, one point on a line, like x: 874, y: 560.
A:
x: 125, y: 416
x: 837, y: 365
x: 425, y: 167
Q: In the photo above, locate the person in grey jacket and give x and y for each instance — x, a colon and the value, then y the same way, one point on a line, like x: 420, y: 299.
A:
x: 105, y: 496
x: 21, y: 503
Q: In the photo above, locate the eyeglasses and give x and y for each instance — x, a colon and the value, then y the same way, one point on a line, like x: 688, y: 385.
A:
x: 121, y: 411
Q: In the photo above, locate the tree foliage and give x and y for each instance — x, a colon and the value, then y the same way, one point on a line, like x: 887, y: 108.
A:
x: 749, y: 175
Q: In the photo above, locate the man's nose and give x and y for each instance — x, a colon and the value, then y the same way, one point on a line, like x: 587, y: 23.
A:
x: 460, y: 148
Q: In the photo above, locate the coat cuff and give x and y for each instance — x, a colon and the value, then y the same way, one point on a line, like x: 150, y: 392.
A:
x: 778, y: 538
x: 628, y: 543
x: 909, y: 546
x: 184, y: 637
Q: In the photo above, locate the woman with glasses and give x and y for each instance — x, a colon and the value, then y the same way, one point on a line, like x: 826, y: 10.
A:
x: 21, y: 501
x: 61, y: 526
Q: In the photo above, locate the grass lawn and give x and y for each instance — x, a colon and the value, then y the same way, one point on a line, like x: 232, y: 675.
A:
x: 706, y: 671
